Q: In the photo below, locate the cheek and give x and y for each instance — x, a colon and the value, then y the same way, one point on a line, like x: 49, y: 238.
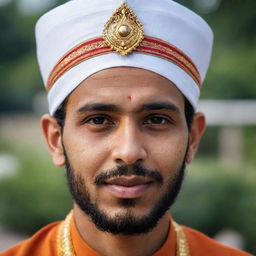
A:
x: 86, y: 154
x: 168, y: 154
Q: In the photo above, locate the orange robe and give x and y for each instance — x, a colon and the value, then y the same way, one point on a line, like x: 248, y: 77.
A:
x: 44, y: 243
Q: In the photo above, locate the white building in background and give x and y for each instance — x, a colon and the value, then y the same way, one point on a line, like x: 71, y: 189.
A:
x: 9, y: 165
x: 230, y: 116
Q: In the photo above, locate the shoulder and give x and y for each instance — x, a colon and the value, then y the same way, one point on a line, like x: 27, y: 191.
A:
x: 41, y: 243
x: 201, y: 244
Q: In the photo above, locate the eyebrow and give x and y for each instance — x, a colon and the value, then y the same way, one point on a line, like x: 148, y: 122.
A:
x: 158, y: 105
x: 98, y: 107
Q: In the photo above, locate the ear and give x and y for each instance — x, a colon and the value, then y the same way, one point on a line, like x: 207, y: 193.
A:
x: 52, y: 134
x: 196, y: 132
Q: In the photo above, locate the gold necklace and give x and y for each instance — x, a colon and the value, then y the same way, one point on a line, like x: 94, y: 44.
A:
x: 182, y: 243
x: 65, y: 244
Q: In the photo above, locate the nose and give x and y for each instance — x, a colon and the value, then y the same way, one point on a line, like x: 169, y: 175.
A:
x: 128, y: 145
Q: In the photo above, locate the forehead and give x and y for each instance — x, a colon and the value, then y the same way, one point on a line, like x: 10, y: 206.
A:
x: 117, y: 85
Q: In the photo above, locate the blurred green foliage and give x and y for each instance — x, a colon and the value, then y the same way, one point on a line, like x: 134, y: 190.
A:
x: 36, y: 195
x: 217, y: 197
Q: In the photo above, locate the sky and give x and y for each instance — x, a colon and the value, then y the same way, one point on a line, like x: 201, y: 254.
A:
x: 31, y: 6
x: 3, y: 2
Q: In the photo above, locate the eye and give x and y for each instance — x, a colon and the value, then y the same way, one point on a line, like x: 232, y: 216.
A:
x: 98, y: 120
x: 157, y: 120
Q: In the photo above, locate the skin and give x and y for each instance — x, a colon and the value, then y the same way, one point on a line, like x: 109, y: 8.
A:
x: 157, y: 139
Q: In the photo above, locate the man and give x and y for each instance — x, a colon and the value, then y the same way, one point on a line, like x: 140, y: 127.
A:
x: 123, y: 82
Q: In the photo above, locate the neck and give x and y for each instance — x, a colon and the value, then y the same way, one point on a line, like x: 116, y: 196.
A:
x: 135, y: 245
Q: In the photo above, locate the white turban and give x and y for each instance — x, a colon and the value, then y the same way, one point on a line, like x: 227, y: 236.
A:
x: 180, y: 41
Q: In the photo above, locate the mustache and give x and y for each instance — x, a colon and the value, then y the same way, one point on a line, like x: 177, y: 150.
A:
x: 123, y: 170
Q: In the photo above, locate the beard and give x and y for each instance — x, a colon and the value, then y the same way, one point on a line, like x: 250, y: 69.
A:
x: 126, y: 223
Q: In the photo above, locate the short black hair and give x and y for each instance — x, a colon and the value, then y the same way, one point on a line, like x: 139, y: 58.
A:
x: 60, y: 113
x: 189, y: 113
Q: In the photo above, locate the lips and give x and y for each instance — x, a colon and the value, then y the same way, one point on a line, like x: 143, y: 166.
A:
x: 128, y: 181
x: 128, y: 186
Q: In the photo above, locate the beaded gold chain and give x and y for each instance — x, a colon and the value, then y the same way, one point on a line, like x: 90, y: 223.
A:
x: 65, y: 244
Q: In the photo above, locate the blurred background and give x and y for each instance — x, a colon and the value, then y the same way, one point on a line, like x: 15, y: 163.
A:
x: 219, y: 194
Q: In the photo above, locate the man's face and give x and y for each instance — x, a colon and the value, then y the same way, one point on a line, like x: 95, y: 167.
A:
x: 125, y: 140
